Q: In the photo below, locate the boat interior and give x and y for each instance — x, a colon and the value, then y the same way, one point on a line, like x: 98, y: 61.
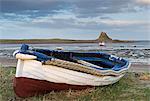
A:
x: 99, y: 59
x: 103, y: 60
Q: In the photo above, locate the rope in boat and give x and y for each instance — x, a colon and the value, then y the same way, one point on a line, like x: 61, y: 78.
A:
x: 82, y: 68
x: 72, y: 66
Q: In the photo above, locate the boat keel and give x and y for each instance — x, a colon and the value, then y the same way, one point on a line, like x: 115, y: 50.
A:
x: 26, y: 87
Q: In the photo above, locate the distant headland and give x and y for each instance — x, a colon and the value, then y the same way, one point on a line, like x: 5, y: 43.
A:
x: 103, y: 37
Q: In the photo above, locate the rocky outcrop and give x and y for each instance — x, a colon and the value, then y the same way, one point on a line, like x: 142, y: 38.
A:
x: 104, y: 38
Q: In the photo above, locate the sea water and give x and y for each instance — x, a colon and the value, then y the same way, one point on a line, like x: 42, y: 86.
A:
x: 134, y: 52
x: 83, y: 46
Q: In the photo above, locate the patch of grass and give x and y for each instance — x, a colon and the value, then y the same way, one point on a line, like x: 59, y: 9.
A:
x: 124, y: 90
x: 6, y: 80
x: 128, y: 88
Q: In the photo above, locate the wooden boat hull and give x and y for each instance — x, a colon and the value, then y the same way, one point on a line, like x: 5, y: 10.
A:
x: 41, y: 71
x: 26, y: 87
x: 34, y: 78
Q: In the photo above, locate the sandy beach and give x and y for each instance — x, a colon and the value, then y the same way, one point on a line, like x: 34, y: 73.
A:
x: 8, y: 62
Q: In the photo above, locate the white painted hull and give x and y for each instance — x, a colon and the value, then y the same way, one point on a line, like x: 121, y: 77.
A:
x: 35, y: 70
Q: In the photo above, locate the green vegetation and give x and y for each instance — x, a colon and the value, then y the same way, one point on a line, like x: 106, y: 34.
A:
x: 128, y: 88
x: 44, y: 41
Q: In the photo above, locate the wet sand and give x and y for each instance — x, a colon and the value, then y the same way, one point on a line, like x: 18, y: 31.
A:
x: 138, y: 67
x: 135, y: 67
x: 8, y: 62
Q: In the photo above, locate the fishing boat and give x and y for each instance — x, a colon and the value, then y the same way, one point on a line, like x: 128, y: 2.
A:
x: 59, y: 48
x: 101, y: 43
x: 40, y: 71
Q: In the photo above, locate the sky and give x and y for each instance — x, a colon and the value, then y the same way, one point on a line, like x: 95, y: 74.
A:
x: 74, y: 19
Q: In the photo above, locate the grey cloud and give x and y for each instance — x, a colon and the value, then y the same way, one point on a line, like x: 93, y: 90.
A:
x: 81, y: 8
x: 92, y: 8
x: 72, y: 23
x: 18, y: 6
x: 99, y: 7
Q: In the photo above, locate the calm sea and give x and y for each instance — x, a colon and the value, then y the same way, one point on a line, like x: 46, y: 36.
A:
x: 83, y: 46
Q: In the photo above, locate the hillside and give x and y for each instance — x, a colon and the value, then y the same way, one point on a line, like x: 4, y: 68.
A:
x: 44, y: 41
x: 103, y: 37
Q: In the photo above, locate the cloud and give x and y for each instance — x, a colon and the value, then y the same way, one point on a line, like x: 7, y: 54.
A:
x: 73, y: 16
x: 145, y: 2
x: 86, y: 8
x: 65, y: 19
x: 124, y: 22
x: 70, y: 21
x: 81, y: 8
x: 26, y: 5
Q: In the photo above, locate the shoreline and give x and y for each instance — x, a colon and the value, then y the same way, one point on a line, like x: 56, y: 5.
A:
x: 59, y: 41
